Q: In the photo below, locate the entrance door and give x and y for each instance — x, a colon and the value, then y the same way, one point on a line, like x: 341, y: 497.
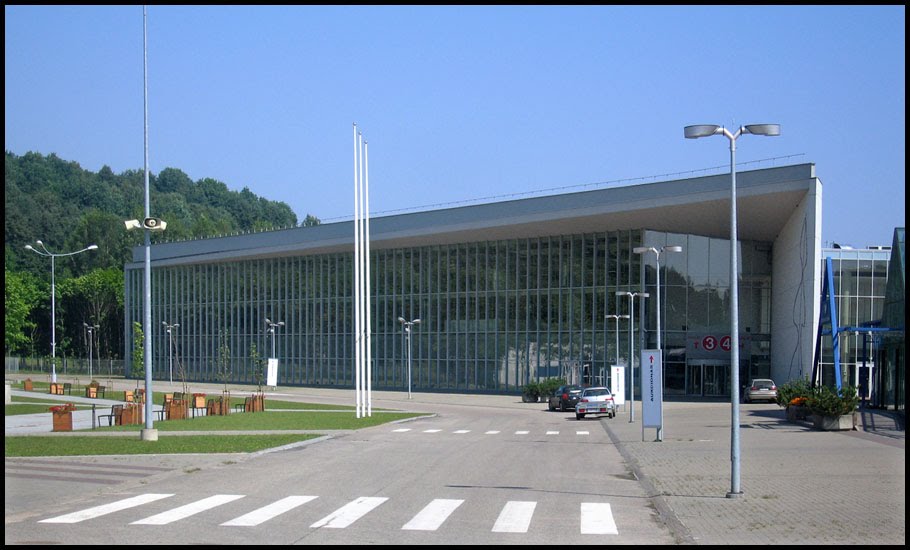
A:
x: 707, y: 378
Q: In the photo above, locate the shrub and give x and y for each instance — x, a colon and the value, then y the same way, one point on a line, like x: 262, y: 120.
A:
x: 825, y: 401
x: 531, y: 391
x: 550, y: 385
x: 792, y: 390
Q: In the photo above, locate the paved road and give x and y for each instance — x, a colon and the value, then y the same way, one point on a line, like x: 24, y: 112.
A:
x: 470, y: 474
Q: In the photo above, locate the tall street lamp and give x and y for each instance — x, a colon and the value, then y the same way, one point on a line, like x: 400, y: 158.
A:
x: 170, y: 346
x: 407, y: 329
x: 705, y: 130
x: 272, y: 327
x: 632, y: 296
x: 617, y: 318
x: 45, y: 252
x: 90, y: 329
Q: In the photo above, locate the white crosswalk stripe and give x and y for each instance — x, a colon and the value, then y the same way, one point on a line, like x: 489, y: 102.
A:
x: 349, y: 513
x: 268, y: 512
x: 188, y: 510
x: 105, y: 509
x: 596, y: 518
x: 515, y: 517
x: 461, y: 431
x: 433, y: 515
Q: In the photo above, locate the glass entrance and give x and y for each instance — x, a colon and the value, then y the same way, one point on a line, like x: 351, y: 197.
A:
x: 707, y: 378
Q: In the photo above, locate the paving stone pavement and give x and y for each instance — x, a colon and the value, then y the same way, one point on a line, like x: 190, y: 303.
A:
x: 799, y: 485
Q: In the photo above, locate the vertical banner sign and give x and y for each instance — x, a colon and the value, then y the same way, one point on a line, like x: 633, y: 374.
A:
x: 651, y: 389
x: 618, y: 384
x: 271, y: 377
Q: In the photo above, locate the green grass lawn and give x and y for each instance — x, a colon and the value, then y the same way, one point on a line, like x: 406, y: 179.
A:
x: 79, y: 446
x: 279, y: 416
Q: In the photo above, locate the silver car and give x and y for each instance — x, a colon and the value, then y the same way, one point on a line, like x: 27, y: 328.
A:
x: 595, y: 400
x: 761, y: 389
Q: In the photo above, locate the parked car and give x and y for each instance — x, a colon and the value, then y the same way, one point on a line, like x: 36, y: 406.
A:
x: 565, y: 398
x: 595, y: 400
x: 761, y: 389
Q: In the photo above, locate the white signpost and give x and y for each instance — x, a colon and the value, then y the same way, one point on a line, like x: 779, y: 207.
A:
x: 652, y: 415
x: 618, y: 384
x: 271, y: 377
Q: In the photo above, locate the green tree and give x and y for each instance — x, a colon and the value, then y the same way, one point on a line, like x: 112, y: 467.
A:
x: 223, y: 360
x: 138, y: 362
x: 22, y: 294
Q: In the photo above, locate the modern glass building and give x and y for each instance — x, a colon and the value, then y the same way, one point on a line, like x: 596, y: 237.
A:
x: 507, y: 292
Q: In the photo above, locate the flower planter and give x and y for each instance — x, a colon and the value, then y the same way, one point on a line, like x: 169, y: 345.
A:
x: 176, y: 409
x: 27, y: 384
x: 795, y: 413
x: 198, y: 400
x: 131, y: 414
x: 832, y: 423
x: 63, y: 421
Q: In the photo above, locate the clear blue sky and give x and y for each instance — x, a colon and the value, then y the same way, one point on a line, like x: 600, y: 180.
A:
x: 466, y: 102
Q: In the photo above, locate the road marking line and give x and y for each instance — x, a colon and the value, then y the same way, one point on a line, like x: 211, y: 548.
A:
x: 349, y: 513
x: 188, y: 510
x: 582, y: 433
x: 270, y: 511
x: 105, y: 509
x: 431, y: 431
x: 492, y: 432
x: 552, y: 432
x: 515, y: 517
x: 597, y: 519
x: 462, y: 431
x: 402, y: 430
x: 433, y: 515
x: 522, y: 432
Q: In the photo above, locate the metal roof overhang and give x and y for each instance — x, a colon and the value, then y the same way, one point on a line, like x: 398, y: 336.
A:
x: 766, y: 199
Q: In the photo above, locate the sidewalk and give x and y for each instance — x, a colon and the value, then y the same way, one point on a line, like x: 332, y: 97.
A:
x: 800, y: 485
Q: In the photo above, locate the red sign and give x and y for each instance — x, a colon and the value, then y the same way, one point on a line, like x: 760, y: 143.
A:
x: 725, y: 343
x: 709, y: 343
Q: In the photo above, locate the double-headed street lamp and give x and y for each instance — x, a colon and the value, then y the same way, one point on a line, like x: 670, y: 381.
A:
x: 170, y: 346
x: 617, y: 318
x: 272, y: 327
x: 407, y: 328
x: 45, y: 252
x: 705, y: 130
x: 90, y: 329
x: 632, y: 296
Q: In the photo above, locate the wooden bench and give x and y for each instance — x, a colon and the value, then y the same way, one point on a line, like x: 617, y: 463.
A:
x: 246, y: 406
x: 114, y: 417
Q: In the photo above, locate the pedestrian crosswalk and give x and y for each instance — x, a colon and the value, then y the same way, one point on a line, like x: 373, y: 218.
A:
x: 514, y: 516
x: 489, y: 432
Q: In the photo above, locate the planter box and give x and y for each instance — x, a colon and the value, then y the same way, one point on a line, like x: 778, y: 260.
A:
x: 63, y: 421
x: 91, y: 391
x: 176, y: 409
x: 198, y: 401
x: 27, y: 385
x: 56, y: 389
x: 795, y: 413
x: 831, y: 423
x: 132, y: 414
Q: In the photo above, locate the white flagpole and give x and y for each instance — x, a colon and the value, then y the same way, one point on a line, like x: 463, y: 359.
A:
x: 360, y: 338
x: 356, y: 303
x: 369, y: 351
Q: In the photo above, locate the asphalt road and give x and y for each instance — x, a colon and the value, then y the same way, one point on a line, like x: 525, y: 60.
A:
x: 470, y: 474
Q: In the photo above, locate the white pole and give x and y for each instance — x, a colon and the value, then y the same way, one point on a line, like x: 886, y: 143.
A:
x: 366, y: 214
x: 147, y: 434
x: 356, y: 302
x: 360, y: 340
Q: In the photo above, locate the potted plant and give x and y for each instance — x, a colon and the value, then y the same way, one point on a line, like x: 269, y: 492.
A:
x: 63, y: 417
x: 793, y: 396
x: 530, y: 392
x: 833, y: 409
x: 258, y: 401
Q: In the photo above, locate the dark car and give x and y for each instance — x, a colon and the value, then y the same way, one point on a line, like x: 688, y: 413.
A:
x: 564, y: 398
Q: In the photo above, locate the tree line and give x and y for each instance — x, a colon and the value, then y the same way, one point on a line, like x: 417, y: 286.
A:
x: 69, y: 208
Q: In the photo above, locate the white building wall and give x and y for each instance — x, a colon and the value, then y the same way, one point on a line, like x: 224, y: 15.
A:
x: 796, y: 287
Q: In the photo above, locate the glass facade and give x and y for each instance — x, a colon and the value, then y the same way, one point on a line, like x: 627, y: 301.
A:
x: 860, y: 281
x: 494, y: 314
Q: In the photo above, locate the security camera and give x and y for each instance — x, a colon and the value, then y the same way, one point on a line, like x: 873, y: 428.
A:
x: 154, y: 224
x: 132, y: 224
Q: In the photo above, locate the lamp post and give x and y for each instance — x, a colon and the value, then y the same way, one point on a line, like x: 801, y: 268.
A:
x: 45, y: 252
x: 617, y: 318
x: 170, y: 348
x: 705, y: 130
x: 631, y: 296
x: 407, y: 329
x: 272, y: 327
x: 90, y: 329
